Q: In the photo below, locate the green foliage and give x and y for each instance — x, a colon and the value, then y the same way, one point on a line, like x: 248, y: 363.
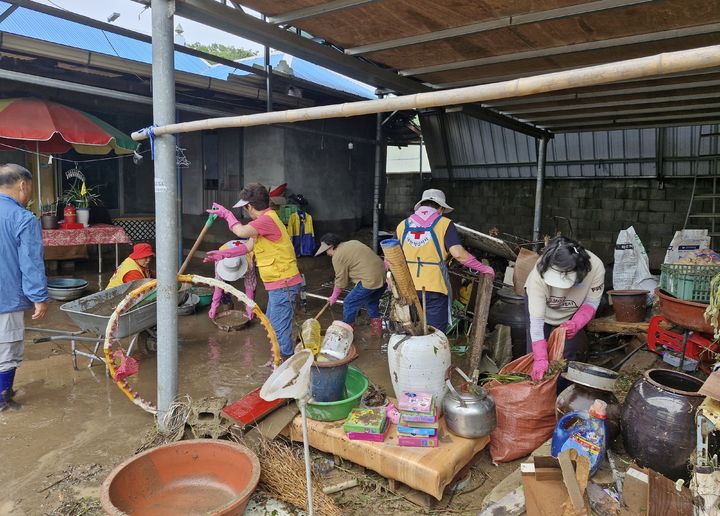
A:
x: 225, y: 51
x: 74, y: 196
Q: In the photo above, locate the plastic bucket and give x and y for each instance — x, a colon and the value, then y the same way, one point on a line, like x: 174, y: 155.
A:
x: 629, y: 305
x: 327, y: 379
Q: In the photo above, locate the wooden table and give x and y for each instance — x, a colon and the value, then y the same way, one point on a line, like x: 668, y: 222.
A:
x: 98, y: 234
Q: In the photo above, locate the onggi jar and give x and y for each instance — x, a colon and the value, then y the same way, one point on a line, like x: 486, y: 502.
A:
x: 337, y: 341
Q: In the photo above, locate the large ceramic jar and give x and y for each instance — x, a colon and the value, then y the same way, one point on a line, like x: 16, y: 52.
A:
x: 658, y: 421
x: 420, y: 363
x: 509, y: 310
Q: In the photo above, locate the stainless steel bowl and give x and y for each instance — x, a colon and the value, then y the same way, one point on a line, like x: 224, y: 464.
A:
x: 66, y: 289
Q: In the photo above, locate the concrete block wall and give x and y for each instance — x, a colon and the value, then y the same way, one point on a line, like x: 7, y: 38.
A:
x: 597, y: 208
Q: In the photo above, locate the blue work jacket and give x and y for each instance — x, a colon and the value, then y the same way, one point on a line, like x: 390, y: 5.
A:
x: 22, y: 268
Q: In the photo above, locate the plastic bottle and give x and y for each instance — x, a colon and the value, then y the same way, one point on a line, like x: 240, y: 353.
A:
x: 585, y: 431
x: 310, y: 334
x: 338, y: 339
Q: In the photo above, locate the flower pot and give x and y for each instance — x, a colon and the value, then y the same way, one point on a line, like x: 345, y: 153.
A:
x: 49, y: 221
x: 629, y: 305
x: 658, y: 421
x: 83, y: 216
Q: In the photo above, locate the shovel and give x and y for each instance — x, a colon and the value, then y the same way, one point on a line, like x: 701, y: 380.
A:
x: 211, y: 218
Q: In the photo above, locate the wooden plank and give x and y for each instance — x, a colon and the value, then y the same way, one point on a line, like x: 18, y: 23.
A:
x: 270, y: 427
x: 611, y: 325
x: 570, y: 481
x: 482, y: 310
x: 664, y: 499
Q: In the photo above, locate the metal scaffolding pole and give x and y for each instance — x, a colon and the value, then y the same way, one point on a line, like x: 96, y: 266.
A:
x: 539, y: 184
x: 376, y: 187
x: 163, y: 91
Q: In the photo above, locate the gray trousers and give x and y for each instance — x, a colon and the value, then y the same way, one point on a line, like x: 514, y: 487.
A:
x: 12, y: 347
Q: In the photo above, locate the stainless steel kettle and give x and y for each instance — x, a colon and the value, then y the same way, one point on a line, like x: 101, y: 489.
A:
x: 469, y: 414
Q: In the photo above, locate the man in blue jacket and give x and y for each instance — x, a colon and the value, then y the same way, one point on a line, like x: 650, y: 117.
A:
x: 22, y: 273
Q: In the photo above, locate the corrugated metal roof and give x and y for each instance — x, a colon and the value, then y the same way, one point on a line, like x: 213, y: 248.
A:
x: 52, y: 29
x: 480, y: 150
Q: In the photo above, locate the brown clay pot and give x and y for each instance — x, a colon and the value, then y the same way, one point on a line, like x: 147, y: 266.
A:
x: 203, y: 476
x: 629, y: 305
x: 658, y: 421
x: 581, y: 397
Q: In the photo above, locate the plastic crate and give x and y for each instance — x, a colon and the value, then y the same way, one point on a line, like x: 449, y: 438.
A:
x: 688, y: 282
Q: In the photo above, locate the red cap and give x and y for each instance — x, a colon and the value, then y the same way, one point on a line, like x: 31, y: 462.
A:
x: 141, y: 251
x: 598, y: 409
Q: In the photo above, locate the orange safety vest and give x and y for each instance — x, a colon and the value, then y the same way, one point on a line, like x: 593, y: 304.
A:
x: 126, y: 266
x: 275, y: 260
x: 424, y: 249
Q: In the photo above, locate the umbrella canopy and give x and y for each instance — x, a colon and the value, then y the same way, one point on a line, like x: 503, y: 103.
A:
x: 55, y: 129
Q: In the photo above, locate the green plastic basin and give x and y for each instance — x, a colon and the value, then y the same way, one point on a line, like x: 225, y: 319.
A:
x: 204, y: 293
x: 355, y: 386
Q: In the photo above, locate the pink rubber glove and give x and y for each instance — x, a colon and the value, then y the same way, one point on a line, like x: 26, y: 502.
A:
x: 334, y: 296
x: 217, y: 295
x: 583, y: 316
x: 540, y: 359
x: 221, y: 254
x: 222, y: 212
x: 476, y: 265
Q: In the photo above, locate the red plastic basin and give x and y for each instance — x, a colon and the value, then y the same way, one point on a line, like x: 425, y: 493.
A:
x: 201, y: 476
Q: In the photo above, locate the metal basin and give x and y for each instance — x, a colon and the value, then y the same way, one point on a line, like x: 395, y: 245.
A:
x: 202, y: 476
x: 66, y: 289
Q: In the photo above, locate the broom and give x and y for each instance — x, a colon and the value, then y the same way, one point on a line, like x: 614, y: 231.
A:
x: 403, y: 284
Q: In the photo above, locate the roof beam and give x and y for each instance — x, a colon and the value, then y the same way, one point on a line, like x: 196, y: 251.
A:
x: 233, y: 21
x: 605, y: 102
x: 565, y: 49
x: 497, y: 23
x: 661, y: 108
x: 108, y: 27
x: 317, y: 10
x: 682, y: 119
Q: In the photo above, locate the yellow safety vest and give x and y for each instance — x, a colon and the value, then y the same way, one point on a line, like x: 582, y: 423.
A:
x: 425, y: 253
x: 126, y: 266
x: 275, y: 260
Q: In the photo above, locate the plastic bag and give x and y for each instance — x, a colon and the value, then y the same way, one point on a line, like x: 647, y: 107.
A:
x: 632, y: 266
x: 525, y: 410
x: 686, y: 241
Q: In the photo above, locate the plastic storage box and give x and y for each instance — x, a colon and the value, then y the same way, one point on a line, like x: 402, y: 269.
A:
x: 688, y: 282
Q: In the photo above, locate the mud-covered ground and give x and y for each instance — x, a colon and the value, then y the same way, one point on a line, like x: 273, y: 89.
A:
x: 75, y: 425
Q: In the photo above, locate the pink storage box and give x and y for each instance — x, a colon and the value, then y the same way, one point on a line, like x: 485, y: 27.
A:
x: 422, y: 442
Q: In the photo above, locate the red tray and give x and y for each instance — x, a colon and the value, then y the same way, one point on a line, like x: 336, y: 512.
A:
x: 251, y: 408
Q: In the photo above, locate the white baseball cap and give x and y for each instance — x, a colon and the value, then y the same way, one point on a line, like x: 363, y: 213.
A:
x: 434, y: 195
x: 559, y: 279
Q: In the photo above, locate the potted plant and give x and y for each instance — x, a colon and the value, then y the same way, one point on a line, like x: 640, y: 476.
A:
x: 48, y: 215
x: 82, y: 197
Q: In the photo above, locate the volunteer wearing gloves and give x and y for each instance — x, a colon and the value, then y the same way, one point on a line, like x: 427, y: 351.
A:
x: 136, y: 266
x: 229, y: 267
x: 563, y: 289
x: 356, y: 262
x: 274, y: 257
x: 428, y: 239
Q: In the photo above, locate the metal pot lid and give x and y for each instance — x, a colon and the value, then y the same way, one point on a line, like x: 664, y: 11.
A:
x: 591, y: 376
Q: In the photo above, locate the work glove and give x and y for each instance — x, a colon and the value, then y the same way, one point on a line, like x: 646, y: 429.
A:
x: 217, y: 296
x: 540, y: 360
x: 334, y: 296
x: 476, y: 265
x: 225, y: 214
x: 581, y: 318
x: 213, y: 311
x: 216, y: 256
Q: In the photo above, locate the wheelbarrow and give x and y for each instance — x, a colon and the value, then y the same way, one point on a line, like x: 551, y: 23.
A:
x: 92, y: 314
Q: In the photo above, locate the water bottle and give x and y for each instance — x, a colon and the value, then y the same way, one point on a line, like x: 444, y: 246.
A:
x: 310, y: 335
x: 584, y: 431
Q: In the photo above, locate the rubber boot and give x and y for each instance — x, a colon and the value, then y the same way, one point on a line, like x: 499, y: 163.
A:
x: 6, y: 392
x: 376, y: 327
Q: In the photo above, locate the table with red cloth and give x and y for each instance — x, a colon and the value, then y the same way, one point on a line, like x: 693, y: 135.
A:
x: 97, y: 234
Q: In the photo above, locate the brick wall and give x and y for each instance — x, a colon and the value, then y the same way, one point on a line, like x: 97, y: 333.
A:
x: 597, y: 208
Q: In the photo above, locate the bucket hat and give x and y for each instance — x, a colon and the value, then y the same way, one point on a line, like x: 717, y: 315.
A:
x: 434, y: 195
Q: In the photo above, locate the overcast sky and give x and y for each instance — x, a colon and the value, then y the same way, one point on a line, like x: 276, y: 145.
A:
x: 134, y: 17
